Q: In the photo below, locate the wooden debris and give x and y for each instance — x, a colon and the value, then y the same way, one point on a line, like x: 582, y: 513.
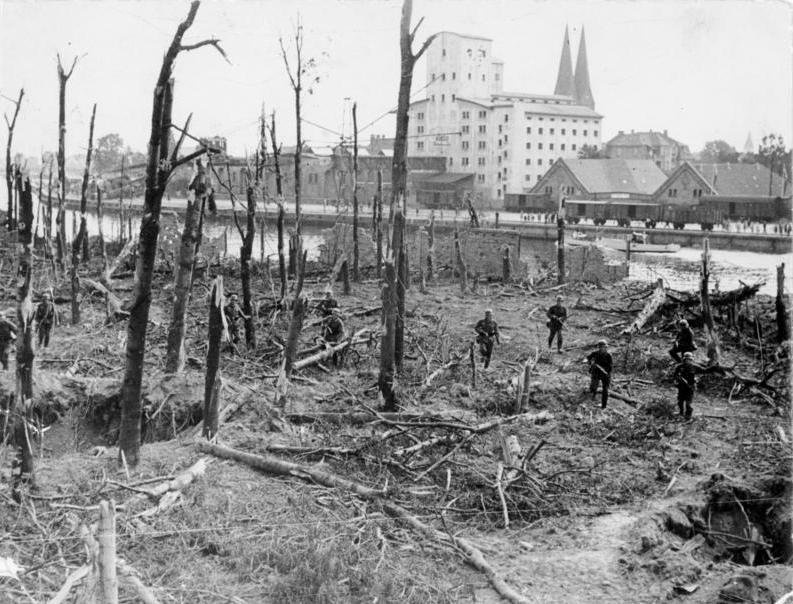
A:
x: 653, y: 304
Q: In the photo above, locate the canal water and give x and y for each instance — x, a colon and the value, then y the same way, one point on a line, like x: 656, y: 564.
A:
x: 680, y: 270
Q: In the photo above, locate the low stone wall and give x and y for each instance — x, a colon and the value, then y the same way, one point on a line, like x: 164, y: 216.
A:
x: 588, y: 264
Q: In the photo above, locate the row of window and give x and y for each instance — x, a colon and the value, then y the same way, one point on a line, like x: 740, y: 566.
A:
x: 480, y: 53
x: 562, y: 146
x: 552, y: 131
x: 539, y: 161
x: 467, y: 115
x: 465, y: 129
x: 528, y: 116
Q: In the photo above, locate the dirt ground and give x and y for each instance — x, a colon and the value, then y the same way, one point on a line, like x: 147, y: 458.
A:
x: 615, y: 506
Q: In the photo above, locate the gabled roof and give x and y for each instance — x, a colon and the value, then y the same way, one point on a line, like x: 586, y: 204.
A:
x: 741, y: 180
x: 643, y: 139
x: 687, y: 167
x: 640, y: 176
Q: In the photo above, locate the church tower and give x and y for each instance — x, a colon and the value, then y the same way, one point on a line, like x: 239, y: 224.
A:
x: 564, y: 81
x: 583, y: 91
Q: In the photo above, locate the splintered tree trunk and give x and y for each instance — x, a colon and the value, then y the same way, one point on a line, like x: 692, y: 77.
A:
x: 560, y: 249
x: 431, y: 250
x: 157, y: 173
x: 215, y: 333
x: 9, y: 170
x: 472, y: 362
x: 714, y: 354
x: 398, y: 247
x: 24, y: 463
x: 345, y: 277
x: 386, y: 378
x: 506, y: 267
x: 296, y: 322
x: 77, y: 242
x: 356, y: 275
x: 462, y: 270
x: 246, y: 252
x: 379, y: 223
x: 281, y: 259
x: 102, y: 249
x: 175, y: 353
x: 121, y: 203
x: 63, y: 77
x: 782, y: 329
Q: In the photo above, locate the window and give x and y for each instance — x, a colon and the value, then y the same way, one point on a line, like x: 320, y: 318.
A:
x: 465, y: 145
x: 432, y: 79
x: 562, y: 146
x: 497, y: 77
x: 443, y: 77
x: 420, y: 129
x: 451, y: 161
x: 469, y: 75
x: 575, y: 132
x: 498, y: 192
x: 420, y: 116
x: 482, y: 53
x: 564, y: 131
x: 527, y: 115
x: 505, y: 172
x: 539, y: 130
x: 553, y: 119
x: 499, y: 129
x: 551, y: 131
x: 482, y: 114
x: 564, y: 119
x: 443, y: 52
x: 454, y: 75
x: 575, y: 121
x: 528, y: 161
x: 480, y: 178
x: 528, y: 130
x: 586, y: 121
x: 506, y: 154
x: 506, y: 138
x: 528, y: 145
x: 483, y: 77
x: 539, y: 145
x: 465, y: 161
x: 480, y: 161
x: 595, y: 133
x: 527, y: 177
x: 481, y: 144
x: 541, y: 118
x: 454, y: 97
x: 420, y: 145
x: 466, y: 115
x: 548, y: 190
x: 443, y: 97
x: 585, y: 132
x: 482, y: 129
x: 432, y: 97
x: 498, y: 158
x: 470, y: 53
x: 550, y: 146
x: 539, y: 162
x: 573, y: 147
x: 506, y: 117
x: 465, y: 129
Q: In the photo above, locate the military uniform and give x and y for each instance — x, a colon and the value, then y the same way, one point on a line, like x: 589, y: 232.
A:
x: 8, y: 333
x: 45, y: 318
x: 600, y: 365
x: 233, y: 313
x: 326, y: 306
x: 486, y: 336
x: 685, y: 378
x: 684, y: 343
x: 557, y: 315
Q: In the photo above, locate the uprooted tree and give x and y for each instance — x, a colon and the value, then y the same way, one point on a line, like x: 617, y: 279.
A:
x: 158, y: 169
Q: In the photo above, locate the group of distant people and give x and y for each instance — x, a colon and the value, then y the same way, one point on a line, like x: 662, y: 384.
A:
x: 600, y: 361
x: 44, y: 319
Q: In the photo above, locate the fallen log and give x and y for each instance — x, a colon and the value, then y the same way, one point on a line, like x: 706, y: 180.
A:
x: 276, y: 466
x: 439, y: 371
x: 130, y: 577
x: 653, y: 304
x: 113, y: 301
x: 329, y: 352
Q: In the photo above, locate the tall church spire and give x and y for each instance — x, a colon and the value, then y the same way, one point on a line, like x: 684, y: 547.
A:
x: 748, y: 146
x: 564, y: 81
x: 583, y: 92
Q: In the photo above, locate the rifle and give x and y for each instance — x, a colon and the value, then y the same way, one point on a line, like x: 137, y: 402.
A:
x: 606, y: 373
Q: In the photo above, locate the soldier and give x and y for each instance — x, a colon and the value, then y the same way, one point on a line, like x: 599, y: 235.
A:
x: 486, y: 334
x: 685, y: 378
x: 333, y: 331
x: 45, y: 318
x: 327, y: 304
x: 233, y: 312
x: 557, y: 315
x: 8, y: 333
x: 684, y: 342
x: 600, y: 370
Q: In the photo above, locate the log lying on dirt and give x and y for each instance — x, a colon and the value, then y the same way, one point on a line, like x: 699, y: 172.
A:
x: 653, y: 304
x: 113, y: 301
x: 454, y: 362
x: 276, y: 466
x: 717, y: 299
x: 357, y: 338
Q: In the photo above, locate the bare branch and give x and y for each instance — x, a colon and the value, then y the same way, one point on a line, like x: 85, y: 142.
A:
x: 286, y: 63
x: 424, y: 47
x: 190, y: 157
x: 64, y: 75
x: 232, y: 197
x: 415, y: 29
x: 178, y: 146
x: 213, y: 42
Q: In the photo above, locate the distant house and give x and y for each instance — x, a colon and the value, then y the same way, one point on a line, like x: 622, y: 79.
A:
x: 666, y: 152
x: 447, y: 190
x: 590, y: 183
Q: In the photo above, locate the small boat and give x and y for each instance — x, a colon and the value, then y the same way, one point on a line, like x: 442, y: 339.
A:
x: 638, y: 244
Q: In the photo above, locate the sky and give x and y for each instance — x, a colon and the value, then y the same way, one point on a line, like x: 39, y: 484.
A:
x: 703, y: 70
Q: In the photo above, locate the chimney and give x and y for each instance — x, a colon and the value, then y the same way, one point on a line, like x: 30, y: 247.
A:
x: 631, y: 130
x: 621, y: 132
x: 666, y: 132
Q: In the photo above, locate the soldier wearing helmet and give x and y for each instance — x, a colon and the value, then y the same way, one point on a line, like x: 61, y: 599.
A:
x: 557, y: 315
x: 600, y: 365
x: 8, y: 333
x: 45, y: 318
x: 486, y: 335
x: 685, y: 379
x: 684, y: 342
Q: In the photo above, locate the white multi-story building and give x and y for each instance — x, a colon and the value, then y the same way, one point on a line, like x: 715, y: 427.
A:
x: 508, y: 139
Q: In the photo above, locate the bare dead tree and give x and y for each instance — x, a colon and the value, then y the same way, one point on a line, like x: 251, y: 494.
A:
x: 280, y: 197
x: 60, y: 220
x: 782, y: 327
x: 212, y: 379
x: 296, y: 322
x: 356, y: 275
x: 431, y: 249
x: 183, y: 280
x: 121, y: 202
x: 400, y: 261
x: 385, y: 380
x: 9, y: 170
x: 158, y: 170
x: 100, y: 229
x: 379, y: 222
x: 303, y: 68
x: 712, y: 338
x: 23, y: 399
x: 77, y: 243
